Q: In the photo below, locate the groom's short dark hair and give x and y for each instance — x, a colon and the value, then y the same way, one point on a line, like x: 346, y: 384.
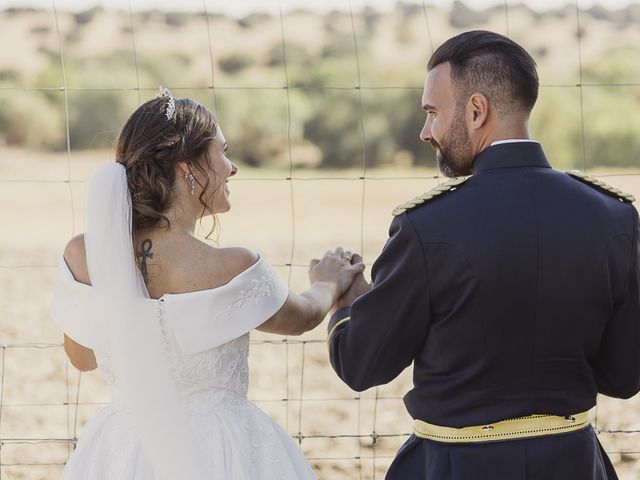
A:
x: 493, y: 65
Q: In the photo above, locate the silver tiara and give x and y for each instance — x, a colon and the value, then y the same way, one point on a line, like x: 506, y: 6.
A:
x: 171, y: 102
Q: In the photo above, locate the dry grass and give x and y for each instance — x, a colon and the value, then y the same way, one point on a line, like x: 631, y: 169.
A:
x: 40, y: 387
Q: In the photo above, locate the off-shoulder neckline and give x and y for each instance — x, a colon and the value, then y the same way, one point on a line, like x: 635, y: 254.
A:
x: 164, y: 296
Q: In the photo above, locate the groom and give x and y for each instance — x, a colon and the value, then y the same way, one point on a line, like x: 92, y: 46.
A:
x: 514, y: 292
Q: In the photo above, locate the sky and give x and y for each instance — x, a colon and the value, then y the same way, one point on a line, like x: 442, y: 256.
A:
x: 242, y: 7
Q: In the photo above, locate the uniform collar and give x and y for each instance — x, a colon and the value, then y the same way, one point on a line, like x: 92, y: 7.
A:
x: 511, y: 155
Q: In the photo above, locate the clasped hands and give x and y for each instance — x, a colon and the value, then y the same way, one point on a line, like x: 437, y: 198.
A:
x: 345, y: 270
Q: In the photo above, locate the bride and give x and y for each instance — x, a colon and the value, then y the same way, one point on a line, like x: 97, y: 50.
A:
x: 166, y: 317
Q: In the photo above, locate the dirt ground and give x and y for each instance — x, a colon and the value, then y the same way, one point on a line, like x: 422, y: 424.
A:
x: 45, y: 401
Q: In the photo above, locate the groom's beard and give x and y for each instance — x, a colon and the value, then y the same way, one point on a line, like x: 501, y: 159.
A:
x: 454, y: 152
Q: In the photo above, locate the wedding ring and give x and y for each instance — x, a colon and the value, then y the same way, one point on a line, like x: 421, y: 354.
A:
x: 347, y: 256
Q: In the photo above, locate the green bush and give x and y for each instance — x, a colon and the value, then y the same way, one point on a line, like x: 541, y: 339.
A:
x: 176, y: 19
x: 9, y: 75
x: 40, y: 29
x: 618, y: 66
x: 556, y: 123
x: 252, y: 20
x: 296, y: 54
x: 255, y: 125
x: 464, y: 17
x: 28, y: 119
x: 236, y: 62
x: 95, y: 118
x: 87, y: 16
x: 339, y: 45
x: 371, y: 18
x: 334, y: 126
x: 612, y: 139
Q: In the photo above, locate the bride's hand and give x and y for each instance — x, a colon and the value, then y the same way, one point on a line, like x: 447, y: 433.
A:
x: 336, y: 269
x: 358, y: 288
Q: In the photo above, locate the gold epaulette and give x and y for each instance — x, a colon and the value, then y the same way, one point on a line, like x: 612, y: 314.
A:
x: 603, y: 187
x: 431, y: 194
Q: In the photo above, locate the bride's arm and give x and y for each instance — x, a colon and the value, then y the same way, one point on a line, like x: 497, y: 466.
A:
x: 81, y: 357
x: 302, y: 312
x: 330, y: 278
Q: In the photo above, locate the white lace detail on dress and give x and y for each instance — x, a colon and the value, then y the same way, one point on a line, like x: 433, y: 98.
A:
x: 260, y: 287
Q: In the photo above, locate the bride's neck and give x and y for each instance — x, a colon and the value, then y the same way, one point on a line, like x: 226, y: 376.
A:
x: 181, y: 222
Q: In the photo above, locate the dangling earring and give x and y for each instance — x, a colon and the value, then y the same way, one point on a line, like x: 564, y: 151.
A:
x: 189, y: 176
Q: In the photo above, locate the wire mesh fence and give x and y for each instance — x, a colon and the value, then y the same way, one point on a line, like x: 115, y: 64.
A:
x: 290, y: 214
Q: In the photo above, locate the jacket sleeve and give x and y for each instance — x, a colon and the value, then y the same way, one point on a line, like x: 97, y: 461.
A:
x: 617, y: 364
x: 379, y: 336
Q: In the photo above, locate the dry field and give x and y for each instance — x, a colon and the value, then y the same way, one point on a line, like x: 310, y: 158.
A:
x: 292, y: 380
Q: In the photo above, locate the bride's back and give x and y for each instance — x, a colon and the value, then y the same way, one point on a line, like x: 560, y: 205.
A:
x: 180, y: 263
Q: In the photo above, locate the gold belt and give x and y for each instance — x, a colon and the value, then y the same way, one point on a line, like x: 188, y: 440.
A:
x: 523, y: 427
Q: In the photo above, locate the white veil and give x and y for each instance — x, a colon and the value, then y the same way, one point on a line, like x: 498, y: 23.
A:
x: 129, y: 319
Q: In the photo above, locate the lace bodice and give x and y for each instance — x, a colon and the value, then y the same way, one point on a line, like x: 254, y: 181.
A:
x: 220, y: 368
x: 208, y: 379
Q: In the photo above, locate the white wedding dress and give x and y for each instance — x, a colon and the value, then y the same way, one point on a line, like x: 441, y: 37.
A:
x: 204, y: 336
x: 238, y: 439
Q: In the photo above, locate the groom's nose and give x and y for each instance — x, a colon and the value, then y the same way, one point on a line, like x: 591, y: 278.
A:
x: 425, y: 133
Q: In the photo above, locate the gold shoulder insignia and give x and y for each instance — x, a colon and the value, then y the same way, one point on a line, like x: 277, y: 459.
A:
x: 603, y: 187
x: 431, y: 194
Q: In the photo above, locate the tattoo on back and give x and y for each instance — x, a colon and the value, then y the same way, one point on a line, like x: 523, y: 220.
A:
x: 145, y: 252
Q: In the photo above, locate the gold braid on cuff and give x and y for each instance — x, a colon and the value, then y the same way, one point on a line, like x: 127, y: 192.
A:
x: 333, y: 329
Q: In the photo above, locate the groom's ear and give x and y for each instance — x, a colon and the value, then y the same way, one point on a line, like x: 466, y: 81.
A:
x: 478, y: 110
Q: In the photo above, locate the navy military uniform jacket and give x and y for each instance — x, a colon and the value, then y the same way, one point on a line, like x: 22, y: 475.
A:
x: 517, y: 293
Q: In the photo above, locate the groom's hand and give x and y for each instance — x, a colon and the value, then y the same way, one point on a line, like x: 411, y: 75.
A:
x: 357, y: 288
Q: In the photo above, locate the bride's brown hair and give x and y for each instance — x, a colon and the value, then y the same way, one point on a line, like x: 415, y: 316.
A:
x: 150, y: 146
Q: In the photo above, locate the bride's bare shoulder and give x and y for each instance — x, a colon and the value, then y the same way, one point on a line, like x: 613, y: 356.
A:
x: 232, y: 260
x: 186, y: 267
x: 75, y: 254
x: 211, y: 267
